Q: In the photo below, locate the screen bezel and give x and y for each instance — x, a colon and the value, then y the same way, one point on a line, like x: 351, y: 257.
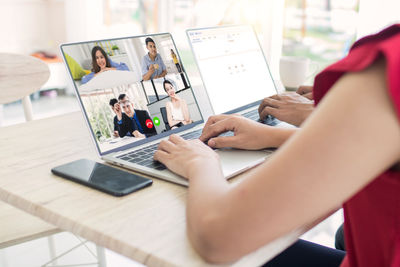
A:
x: 201, y: 75
x: 140, y: 142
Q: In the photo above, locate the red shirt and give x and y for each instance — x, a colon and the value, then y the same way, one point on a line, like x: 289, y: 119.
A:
x: 372, y: 216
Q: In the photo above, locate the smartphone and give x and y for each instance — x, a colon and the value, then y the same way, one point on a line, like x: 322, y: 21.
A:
x: 102, y: 177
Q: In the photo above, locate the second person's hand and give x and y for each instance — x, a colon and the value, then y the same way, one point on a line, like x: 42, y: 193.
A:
x: 248, y: 134
x: 306, y: 91
x: 288, y: 107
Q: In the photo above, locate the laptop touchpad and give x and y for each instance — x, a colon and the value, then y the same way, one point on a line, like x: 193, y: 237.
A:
x: 235, y: 161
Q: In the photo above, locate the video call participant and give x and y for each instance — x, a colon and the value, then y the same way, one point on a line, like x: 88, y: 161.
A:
x: 101, y: 63
x: 176, y: 61
x: 177, y: 109
x: 136, y: 119
x: 123, y: 125
x: 153, y: 66
x: 116, y: 108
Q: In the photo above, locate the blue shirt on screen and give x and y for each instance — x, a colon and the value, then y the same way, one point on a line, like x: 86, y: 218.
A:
x: 146, y: 62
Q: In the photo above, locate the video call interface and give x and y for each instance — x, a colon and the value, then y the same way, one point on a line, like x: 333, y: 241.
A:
x: 131, y: 88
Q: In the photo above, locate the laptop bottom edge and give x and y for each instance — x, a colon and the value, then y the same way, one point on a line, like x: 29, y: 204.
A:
x: 233, y: 161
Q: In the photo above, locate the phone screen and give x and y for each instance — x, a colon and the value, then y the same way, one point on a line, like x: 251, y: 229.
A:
x: 102, y: 177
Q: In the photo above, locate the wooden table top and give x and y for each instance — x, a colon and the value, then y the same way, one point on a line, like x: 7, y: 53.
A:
x: 19, y: 227
x: 148, y: 226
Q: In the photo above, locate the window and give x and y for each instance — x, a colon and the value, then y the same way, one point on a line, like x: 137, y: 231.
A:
x: 320, y: 30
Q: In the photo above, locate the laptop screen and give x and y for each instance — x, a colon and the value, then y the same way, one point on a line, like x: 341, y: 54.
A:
x: 132, y: 90
x: 232, y: 65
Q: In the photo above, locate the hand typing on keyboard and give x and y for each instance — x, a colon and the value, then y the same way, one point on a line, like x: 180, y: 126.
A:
x: 292, y: 108
x: 253, y: 115
x: 269, y: 120
x: 187, y: 157
x: 244, y: 133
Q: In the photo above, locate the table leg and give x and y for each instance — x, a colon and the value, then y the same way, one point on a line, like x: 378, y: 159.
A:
x: 52, y: 249
x: 101, y: 256
x: 1, y: 115
x: 26, y: 102
x: 3, y: 258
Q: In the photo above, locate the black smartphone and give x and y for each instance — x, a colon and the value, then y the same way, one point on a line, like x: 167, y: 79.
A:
x: 102, y: 177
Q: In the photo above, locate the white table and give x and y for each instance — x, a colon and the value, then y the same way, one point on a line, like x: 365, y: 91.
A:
x: 148, y: 226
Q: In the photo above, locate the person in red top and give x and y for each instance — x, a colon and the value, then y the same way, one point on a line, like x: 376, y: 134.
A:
x: 347, y: 153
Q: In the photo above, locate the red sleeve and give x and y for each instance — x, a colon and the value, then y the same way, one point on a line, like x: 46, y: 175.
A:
x: 362, y: 54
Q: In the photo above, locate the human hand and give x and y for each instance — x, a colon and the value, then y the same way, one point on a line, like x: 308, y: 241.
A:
x: 138, y: 134
x: 116, y: 134
x: 151, y: 68
x: 118, y: 111
x: 289, y: 107
x: 186, y: 158
x: 106, y: 69
x: 306, y: 91
x: 248, y: 134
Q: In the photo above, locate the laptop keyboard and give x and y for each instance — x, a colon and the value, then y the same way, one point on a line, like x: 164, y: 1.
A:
x: 253, y: 115
x: 144, y: 156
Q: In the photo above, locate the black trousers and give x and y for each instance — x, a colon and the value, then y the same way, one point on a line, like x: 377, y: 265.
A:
x: 307, y: 254
x: 339, y: 239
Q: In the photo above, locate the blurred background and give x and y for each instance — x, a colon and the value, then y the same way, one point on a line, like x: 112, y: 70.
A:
x: 322, y: 30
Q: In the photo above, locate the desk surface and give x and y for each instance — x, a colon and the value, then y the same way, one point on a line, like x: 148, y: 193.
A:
x: 148, y: 226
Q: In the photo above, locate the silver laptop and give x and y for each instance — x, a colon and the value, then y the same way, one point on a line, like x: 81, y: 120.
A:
x: 234, y: 70
x: 120, y: 87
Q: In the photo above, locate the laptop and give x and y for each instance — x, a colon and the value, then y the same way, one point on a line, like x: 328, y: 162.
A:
x: 234, y: 71
x: 120, y: 84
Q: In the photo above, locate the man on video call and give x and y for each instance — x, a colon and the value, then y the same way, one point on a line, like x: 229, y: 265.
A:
x: 153, y: 66
x: 134, y: 120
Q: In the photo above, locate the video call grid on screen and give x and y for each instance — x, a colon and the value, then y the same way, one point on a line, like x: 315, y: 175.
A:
x: 122, y: 68
x: 235, y: 54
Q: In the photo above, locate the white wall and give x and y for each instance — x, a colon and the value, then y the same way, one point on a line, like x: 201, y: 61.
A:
x: 272, y: 34
x: 30, y: 25
x: 375, y: 15
x: 85, y: 21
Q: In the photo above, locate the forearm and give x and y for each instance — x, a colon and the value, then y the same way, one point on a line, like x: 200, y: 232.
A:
x: 276, y: 136
x: 203, y: 213
x: 147, y: 76
x: 281, y: 186
x: 122, y: 132
x: 136, y: 133
x: 186, y: 112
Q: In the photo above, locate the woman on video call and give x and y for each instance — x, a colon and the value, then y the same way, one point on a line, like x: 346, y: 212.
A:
x: 101, y: 63
x: 177, y: 109
x: 347, y: 153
